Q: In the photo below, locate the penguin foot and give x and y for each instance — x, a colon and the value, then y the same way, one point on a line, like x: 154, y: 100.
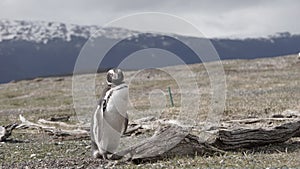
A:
x: 96, y: 154
x: 104, y: 156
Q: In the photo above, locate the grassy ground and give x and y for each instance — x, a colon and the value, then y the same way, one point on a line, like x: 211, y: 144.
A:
x: 255, y: 88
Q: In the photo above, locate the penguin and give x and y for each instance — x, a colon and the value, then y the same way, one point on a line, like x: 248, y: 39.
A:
x: 110, y: 119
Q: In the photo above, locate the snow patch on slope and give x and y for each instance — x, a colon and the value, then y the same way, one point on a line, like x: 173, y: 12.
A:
x: 40, y: 31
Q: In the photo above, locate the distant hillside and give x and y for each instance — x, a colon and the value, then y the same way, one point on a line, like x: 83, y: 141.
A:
x: 276, y: 45
x: 34, y: 49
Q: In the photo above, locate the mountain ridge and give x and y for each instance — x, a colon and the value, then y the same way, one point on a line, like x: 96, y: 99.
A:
x: 42, y: 31
x: 30, y: 49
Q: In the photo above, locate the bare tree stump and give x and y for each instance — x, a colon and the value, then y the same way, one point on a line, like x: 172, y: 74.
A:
x: 6, y: 131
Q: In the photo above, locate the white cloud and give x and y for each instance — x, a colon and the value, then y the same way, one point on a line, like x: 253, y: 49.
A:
x: 217, y: 18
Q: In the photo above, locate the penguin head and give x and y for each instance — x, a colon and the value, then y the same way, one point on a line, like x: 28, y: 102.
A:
x: 114, y: 76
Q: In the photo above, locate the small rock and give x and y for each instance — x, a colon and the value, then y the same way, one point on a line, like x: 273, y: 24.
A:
x: 32, y: 155
x: 82, y: 166
x: 187, y: 140
x: 58, y: 143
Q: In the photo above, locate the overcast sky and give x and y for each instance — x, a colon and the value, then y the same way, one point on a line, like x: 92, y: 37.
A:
x: 235, y: 18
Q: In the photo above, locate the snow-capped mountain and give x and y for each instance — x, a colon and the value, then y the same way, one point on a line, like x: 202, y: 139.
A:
x: 42, y: 32
x: 30, y: 49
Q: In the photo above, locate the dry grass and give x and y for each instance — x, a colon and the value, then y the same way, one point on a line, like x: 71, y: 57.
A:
x: 255, y: 88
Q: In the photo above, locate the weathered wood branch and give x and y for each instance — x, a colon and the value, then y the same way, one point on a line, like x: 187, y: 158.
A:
x: 75, y: 133
x: 229, y: 139
x: 59, y: 124
x: 259, y: 120
x: 6, y: 131
x: 59, y: 118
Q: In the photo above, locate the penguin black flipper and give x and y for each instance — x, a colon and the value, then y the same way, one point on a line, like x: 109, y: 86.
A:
x: 125, y: 124
x: 101, y: 100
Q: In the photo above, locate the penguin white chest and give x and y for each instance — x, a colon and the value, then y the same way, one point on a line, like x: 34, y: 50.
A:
x: 114, y: 117
x: 117, y: 100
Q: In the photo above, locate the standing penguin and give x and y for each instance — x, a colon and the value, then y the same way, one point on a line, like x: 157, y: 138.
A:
x: 110, y: 119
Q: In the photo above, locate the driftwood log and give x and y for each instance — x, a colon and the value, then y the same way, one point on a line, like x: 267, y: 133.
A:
x: 174, y: 140
x: 230, y: 139
x: 171, y: 139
